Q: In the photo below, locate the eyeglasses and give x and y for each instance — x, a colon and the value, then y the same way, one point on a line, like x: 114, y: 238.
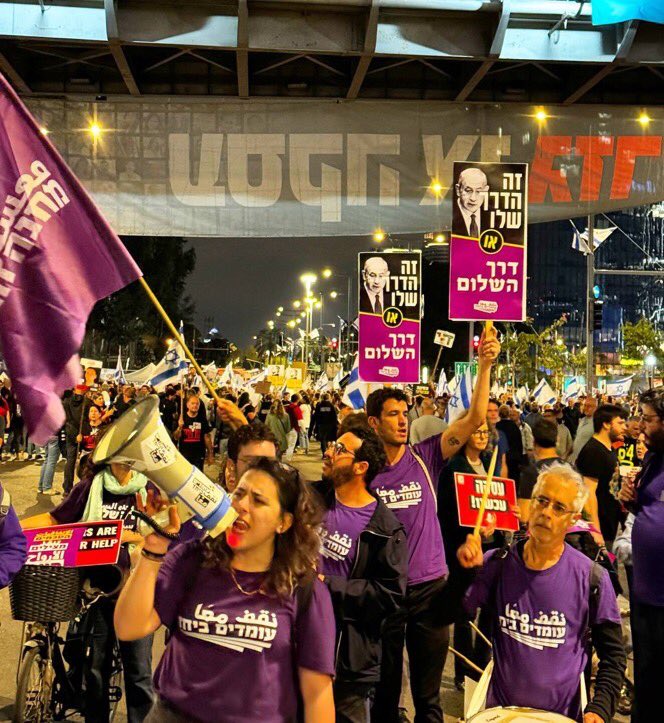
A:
x: 482, y: 433
x: 339, y: 448
x: 648, y: 417
x: 558, y: 509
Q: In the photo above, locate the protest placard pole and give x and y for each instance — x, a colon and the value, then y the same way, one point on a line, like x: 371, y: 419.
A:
x: 178, y: 338
x: 487, y: 487
x: 435, y: 366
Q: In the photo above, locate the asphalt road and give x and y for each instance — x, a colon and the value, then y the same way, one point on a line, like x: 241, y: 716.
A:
x: 21, y: 478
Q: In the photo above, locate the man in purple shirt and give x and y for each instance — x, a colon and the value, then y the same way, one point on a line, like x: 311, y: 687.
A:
x: 408, y: 486
x: 645, y: 497
x: 364, y: 562
x: 544, y: 597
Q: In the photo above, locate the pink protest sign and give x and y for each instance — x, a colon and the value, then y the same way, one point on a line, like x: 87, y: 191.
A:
x: 390, y: 301
x: 489, y: 242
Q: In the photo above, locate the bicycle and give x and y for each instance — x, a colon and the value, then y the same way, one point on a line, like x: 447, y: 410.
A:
x: 46, y: 690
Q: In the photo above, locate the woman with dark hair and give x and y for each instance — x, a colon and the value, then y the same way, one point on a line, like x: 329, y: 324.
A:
x: 252, y: 628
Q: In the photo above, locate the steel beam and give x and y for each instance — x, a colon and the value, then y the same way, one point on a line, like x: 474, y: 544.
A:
x: 368, y: 51
x: 631, y: 272
x: 116, y: 50
x: 242, y: 52
x: 474, y: 80
x: 14, y: 76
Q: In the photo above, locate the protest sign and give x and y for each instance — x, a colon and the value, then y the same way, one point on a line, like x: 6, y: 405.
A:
x: 488, y: 246
x: 389, y: 320
x: 444, y: 338
x: 77, y: 545
x: 502, y: 496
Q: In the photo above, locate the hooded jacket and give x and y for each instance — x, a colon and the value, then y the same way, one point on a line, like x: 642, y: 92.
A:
x: 374, y: 590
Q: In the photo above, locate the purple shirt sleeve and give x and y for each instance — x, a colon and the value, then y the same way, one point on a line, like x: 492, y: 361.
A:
x: 315, y: 633
x: 478, y: 593
x: 175, y: 577
x: 13, y: 548
x: 607, y: 603
x: 71, y: 509
x: 431, y: 453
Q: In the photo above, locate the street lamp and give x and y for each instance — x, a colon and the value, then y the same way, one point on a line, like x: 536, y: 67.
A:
x: 297, y: 304
x: 333, y: 294
x: 651, y: 363
x: 308, y: 280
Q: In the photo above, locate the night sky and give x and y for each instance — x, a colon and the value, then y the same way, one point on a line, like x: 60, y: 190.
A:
x: 241, y: 282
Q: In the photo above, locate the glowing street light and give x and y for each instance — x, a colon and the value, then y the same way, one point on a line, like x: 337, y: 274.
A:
x: 333, y: 294
x: 291, y: 324
x: 281, y: 308
x: 326, y: 273
x: 644, y: 119
x: 43, y: 130
x: 540, y: 115
x: 296, y: 304
x: 95, y: 130
x: 379, y: 235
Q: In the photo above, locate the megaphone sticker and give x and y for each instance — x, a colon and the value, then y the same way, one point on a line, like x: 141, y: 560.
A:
x: 158, y: 450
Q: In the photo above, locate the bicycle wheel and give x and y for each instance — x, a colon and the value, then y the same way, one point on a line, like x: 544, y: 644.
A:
x: 115, y: 683
x: 33, y: 695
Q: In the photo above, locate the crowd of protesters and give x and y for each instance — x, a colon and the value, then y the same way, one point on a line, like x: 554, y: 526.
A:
x: 306, y: 608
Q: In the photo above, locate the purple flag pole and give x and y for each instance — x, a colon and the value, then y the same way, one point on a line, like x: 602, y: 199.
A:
x: 58, y: 257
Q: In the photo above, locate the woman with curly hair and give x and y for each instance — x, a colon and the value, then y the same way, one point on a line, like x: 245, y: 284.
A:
x: 252, y: 628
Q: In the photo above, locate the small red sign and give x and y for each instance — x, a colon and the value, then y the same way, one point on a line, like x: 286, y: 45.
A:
x: 502, y: 497
x: 77, y: 545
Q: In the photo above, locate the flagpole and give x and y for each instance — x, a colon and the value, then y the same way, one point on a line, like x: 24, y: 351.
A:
x: 487, y: 486
x: 178, y: 337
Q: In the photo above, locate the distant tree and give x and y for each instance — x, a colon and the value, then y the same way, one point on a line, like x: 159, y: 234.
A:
x: 641, y: 339
x: 128, y: 317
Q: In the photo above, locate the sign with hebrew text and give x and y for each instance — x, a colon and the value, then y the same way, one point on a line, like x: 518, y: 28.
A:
x: 489, y: 242
x: 389, y: 320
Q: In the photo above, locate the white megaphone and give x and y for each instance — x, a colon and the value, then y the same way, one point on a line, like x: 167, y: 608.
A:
x: 139, y: 439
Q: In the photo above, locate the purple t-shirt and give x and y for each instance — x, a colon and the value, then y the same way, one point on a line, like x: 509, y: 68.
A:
x: 339, y: 534
x: 405, y: 489
x: 648, y: 534
x: 540, y: 629
x: 232, y: 656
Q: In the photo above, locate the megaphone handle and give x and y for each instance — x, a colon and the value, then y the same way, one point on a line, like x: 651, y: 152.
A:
x: 156, y: 526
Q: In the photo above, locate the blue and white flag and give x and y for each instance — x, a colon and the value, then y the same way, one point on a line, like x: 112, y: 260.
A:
x: 460, y: 399
x: 227, y: 376
x: 169, y: 368
x: 261, y: 376
x: 544, y: 394
x: 452, y: 385
x: 573, y: 389
x: 323, y: 383
x: 619, y: 387
x: 356, y: 391
x: 119, y: 374
x: 580, y: 238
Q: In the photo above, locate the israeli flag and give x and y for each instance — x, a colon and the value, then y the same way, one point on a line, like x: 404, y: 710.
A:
x: 169, y: 368
x: 356, y: 391
x: 460, y: 399
x: 323, y: 383
x: 574, y: 388
x: 260, y: 377
x: 619, y: 387
x: 580, y: 240
x: 452, y: 385
x: 543, y: 393
x: 119, y: 374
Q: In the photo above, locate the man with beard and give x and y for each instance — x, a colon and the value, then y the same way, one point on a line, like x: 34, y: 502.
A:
x: 364, y: 559
x: 645, y: 497
x: 584, y: 430
x: 598, y: 463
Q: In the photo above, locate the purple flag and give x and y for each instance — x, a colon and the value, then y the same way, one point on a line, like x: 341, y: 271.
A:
x: 58, y: 257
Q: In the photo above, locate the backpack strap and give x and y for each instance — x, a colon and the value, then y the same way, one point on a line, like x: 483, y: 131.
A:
x: 596, y: 572
x: 427, y: 474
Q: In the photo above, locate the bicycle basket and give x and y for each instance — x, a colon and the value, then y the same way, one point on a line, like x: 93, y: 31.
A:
x: 45, y: 593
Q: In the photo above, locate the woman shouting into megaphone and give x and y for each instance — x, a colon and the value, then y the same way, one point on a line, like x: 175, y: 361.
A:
x: 252, y: 628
